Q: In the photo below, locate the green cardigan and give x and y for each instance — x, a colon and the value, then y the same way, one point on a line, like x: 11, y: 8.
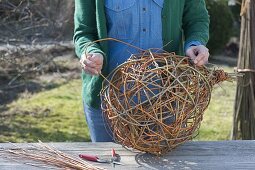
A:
x: 182, y: 20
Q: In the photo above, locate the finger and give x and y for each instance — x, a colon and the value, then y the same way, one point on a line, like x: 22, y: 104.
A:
x: 83, y: 58
x: 85, y: 69
x: 201, y: 58
x: 96, y: 58
x: 89, y: 63
x: 201, y: 54
x: 198, y: 58
x: 202, y: 62
x: 191, y: 52
x: 99, y: 70
x: 90, y: 70
x: 88, y: 55
x: 94, y: 66
x: 97, y: 66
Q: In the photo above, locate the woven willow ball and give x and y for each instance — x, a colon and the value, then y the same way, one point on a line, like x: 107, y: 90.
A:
x: 155, y: 101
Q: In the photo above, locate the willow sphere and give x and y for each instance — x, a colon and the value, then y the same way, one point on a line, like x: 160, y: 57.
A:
x: 155, y: 101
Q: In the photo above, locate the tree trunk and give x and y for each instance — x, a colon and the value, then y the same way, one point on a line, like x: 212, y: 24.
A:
x: 244, y: 113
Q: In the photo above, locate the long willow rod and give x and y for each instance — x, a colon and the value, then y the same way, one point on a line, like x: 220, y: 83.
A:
x: 45, y: 155
x: 137, y: 48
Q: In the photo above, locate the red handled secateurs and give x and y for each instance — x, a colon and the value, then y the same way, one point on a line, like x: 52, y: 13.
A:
x: 115, y: 159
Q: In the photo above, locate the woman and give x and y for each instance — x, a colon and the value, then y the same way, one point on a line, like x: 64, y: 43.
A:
x: 146, y: 24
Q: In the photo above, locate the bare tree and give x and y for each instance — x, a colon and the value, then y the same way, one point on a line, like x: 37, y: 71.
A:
x: 28, y: 21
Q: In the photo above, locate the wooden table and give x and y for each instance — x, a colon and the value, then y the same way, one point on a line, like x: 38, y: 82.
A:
x: 191, y: 155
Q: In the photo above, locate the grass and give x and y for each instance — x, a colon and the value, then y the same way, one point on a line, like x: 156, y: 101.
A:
x: 53, y: 115
x: 57, y: 115
x: 217, y: 122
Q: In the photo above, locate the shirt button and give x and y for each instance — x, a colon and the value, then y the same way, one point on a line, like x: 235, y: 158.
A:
x: 144, y: 9
x: 144, y: 29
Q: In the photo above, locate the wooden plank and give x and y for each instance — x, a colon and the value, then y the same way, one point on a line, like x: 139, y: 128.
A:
x: 191, y: 155
x: 192, y: 145
x: 19, y: 167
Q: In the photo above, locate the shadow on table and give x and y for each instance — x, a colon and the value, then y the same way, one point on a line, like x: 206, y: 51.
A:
x: 163, y: 162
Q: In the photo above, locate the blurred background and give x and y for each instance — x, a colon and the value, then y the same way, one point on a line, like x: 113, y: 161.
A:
x: 40, y: 86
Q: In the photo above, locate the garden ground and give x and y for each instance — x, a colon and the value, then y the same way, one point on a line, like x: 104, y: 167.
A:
x: 55, y: 112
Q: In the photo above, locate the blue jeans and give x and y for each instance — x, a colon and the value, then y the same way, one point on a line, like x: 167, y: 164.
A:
x: 98, y: 128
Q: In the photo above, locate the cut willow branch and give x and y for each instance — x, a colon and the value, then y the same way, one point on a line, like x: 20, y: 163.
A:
x: 43, y: 155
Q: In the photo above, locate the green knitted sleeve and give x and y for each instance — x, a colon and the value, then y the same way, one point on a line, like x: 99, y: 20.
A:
x: 196, y: 21
x: 85, y: 28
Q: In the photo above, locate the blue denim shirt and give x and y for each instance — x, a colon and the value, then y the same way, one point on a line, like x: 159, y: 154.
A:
x: 137, y: 22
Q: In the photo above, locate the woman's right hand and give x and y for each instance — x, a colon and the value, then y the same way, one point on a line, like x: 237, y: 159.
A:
x: 92, y: 63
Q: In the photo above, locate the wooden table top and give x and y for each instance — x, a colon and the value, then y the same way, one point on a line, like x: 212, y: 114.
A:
x: 191, y: 155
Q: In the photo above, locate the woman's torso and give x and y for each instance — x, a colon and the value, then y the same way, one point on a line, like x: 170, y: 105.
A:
x: 137, y: 22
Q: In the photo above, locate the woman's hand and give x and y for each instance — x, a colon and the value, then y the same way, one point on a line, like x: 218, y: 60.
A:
x: 199, y: 54
x: 92, y: 63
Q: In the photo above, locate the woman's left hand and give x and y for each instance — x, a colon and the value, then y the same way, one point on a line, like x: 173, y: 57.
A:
x: 199, y: 54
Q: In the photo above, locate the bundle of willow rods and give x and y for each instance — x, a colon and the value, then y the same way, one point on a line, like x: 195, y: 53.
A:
x: 42, y: 155
x: 244, y: 113
x: 155, y: 101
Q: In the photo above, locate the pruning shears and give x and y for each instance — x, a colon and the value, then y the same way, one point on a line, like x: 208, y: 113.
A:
x: 115, y: 159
